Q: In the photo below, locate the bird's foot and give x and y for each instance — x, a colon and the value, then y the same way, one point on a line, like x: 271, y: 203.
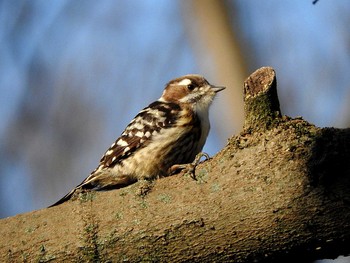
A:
x: 189, y: 168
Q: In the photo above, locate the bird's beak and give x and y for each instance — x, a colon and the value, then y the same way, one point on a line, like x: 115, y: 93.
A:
x: 217, y: 88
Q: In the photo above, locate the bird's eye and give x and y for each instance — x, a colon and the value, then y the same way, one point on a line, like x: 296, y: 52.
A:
x: 190, y: 86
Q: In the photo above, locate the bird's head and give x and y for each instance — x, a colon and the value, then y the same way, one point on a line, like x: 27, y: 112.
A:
x: 191, y: 89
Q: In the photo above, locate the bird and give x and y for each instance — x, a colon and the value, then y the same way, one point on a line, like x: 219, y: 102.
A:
x: 163, y: 137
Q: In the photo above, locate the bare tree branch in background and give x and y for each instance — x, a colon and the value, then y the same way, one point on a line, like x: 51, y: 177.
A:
x: 220, y: 57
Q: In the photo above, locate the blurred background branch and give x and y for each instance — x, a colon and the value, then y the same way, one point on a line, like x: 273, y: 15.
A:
x: 218, y: 51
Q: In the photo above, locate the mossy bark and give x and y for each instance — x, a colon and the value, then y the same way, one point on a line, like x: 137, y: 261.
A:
x: 277, y: 192
x: 261, y: 105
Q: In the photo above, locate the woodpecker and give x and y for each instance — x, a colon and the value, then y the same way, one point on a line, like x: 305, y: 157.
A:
x: 168, y: 133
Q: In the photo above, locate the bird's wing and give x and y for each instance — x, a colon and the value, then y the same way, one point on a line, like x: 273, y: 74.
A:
x: 158, y: 115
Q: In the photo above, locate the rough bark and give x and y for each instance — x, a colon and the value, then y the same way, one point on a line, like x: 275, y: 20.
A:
x: 278, y: 191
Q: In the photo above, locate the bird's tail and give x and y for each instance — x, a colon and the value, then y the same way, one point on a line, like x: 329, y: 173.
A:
x: 86, y: 184
x: 98, y: 181
x: 64, y: 198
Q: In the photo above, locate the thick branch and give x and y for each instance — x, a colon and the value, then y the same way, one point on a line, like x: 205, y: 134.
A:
x: 273, y: 194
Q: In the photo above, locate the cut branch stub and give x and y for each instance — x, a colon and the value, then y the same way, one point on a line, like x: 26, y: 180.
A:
x: 261, y: 105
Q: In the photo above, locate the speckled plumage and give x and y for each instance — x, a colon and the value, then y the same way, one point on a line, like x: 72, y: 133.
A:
x: 170, y: 131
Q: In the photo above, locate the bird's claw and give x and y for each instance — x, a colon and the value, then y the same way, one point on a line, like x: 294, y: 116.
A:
x: 189, y: 167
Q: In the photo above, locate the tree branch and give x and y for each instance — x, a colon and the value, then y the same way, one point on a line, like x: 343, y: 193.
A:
x: 261, y: 103
x: 278, y: 191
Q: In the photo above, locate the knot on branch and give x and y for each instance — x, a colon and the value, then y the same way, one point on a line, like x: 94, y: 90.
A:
x: 261, y: 105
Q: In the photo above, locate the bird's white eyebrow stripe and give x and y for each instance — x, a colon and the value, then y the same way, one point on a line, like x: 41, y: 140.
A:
x: 185, y: 82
